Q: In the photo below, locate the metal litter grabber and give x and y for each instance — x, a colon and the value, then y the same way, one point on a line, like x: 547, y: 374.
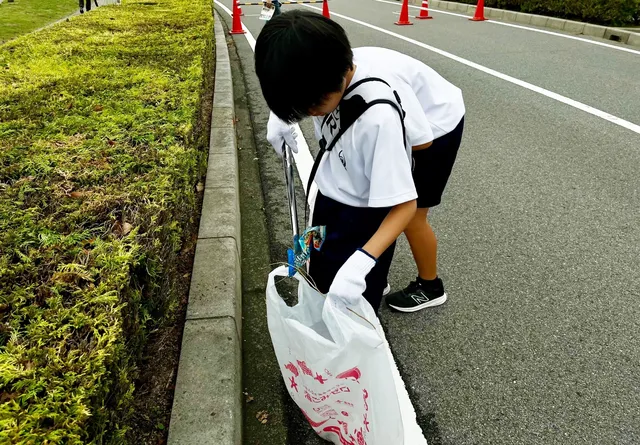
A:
x: 311, y: 237
x: 287, y: 162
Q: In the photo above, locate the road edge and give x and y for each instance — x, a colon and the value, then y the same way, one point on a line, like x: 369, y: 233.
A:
x: 207, y: 406
x: 580, y: 28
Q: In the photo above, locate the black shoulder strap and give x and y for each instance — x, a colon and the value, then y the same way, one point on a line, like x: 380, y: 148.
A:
x: 365, y: 80
x: 356, y: 85
x: 362, y: 107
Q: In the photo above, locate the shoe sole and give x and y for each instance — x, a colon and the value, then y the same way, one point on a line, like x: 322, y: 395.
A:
x: 386, y: 291
x: 432, y: 303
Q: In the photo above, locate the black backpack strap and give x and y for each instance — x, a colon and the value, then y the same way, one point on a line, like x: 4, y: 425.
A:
x: 395, y: 94
x: 358, y: 108
x: 363, y: 107
x: 356, y: 85
x: 365, y: 80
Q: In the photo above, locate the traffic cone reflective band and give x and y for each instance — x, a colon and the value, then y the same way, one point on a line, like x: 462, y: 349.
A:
x: 404, y: 14
x: 325, y: 9
x: 236, y: 27
x: 424, y: 11
x: 479, y: 15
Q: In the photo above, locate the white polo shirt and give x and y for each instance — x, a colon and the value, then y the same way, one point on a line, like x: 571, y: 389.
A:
x: 440, y: 101
x: 370, y: 164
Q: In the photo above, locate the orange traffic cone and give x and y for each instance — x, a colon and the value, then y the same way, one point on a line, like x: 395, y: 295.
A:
x: 236, y: 27
x: 424, y: 11
x: 479, y: 15
x: 325, y: 9
x: 404, y: 14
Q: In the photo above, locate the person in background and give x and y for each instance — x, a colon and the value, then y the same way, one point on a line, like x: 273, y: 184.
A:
x: 85, y: 5
x: 276, y: 4
x: 82, y: 4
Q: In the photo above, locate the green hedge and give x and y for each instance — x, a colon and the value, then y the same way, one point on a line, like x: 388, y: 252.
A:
x: 102, y: 141
x: 603, y: 12
x: 23, y: 16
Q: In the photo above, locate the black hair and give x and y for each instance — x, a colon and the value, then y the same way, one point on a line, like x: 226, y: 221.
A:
x: 301, y: 57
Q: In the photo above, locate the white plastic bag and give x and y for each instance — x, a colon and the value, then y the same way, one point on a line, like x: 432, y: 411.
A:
x: 336, y: 366
x: 267, y: 13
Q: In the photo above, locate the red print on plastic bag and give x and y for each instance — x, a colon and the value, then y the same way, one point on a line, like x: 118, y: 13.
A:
x: 326, y: 411
x: 342, y: 402
x: 360, y: 438
x: 353, y: 373
x: 292, y: 368
x: 336, y: 430
x: 350, y: 429
x: 305, y: 369
x: 294, y: 385
x: 312, y: 423
x: 314, y: 397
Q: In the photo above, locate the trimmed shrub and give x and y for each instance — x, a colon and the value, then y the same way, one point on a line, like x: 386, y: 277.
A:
x: 103, y: 137
x: 602, y: 12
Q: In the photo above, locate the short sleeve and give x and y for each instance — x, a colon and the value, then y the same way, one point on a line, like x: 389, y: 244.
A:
x: 379, y: 137
x: 418, y: 126
x: 317, y: 123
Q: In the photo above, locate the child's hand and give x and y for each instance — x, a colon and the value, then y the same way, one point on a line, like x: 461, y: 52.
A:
x: 279, y: 132
x: 349, y: 283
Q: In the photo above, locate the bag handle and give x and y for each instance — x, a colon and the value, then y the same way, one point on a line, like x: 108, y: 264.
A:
x: 283, y: 271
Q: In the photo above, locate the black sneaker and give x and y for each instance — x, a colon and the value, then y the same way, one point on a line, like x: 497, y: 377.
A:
x: 417, y: 296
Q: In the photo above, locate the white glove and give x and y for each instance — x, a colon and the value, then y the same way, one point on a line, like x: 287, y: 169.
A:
x: 279, y: 133
x: 349, y: 283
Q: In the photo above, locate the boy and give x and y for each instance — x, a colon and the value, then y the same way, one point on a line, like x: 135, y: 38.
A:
x: 382, y: 167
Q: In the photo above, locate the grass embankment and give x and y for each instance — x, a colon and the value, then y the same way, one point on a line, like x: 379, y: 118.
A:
x: 103, y: 136
x: 23, y: 16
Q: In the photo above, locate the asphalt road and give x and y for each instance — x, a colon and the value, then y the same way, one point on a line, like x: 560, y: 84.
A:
x: 539, y: 237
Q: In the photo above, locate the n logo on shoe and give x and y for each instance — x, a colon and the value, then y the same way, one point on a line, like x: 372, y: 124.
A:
x: 420, y: 298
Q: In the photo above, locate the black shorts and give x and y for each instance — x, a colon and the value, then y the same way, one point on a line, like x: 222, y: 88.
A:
x: 432, y: 167
x: 348, y: 229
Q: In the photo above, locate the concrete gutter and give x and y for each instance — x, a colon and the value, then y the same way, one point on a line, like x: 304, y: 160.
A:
x: 569, y: 26
x: 207, y: 406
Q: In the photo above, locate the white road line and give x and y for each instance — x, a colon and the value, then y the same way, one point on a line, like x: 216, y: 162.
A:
x: 304, y: 159
x: 560, y: 98
x: 250, y: 39
x: 542, y: 31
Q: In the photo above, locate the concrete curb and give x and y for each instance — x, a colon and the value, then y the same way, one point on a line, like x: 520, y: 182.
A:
x: 207, y: 406
x: 569, y: 26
